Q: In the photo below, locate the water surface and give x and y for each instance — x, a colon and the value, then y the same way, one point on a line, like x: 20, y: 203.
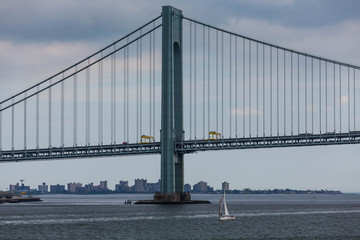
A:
x: 257, y: 217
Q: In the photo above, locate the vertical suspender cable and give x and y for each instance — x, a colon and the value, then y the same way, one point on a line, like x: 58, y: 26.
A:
x: 75, y: 109
x: 137, y: 91
x: 50, y: 82
x: 305, y: 95
x: 320, y: 96
x: 140, y: 89
x: 349, y: 99
x: 195, y: 112
x: 243, y: 88
x: 37, y: 117
x: 127, y: 91
x: 25, y: 120
x: 0, y: 127
x: 277, y: 91
x: 153, y: 95
x: 236, y: 89
x: 217, y: 82
x: 354, y: 102
x: 99, y: 107
x: 208, y: 79
x: 340, y: 93
x: 249, y: 88
x: 62, y: 111
x: 190, y: 78
x: 88, y: 105
x: 334, y: 99
x: 230, y: 84
x: 292, y: 88
x: 114, y: 100
x: 312, y: 95
x: 326, y: 98
x: 284, y: 93
x: 150, y: 84
x: 298, y: 91
x: 203, y: 82
x: 12, y: 125
x: 222, y: 84
x: 257, y: 89
x: 271, y: 90
x: 263, y: 85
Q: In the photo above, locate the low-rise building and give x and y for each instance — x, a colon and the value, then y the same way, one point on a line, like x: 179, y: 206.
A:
x: 123, y: 186
x: 57, y: 188
x: 187, y: 188
x: 225, y: 186
x: 154, y: 187
x: 19, y: 188
x: 43, y: 188
x: 140, y: 185
x: 200, y: 187
x: 72, y: 187
x: 103, y: 185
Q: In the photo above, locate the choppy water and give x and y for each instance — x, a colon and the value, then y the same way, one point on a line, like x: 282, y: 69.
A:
x: 257, y: 217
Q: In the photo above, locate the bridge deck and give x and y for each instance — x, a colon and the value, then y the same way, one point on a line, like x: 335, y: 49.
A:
x: 188, y: 146
x: 269, y: 142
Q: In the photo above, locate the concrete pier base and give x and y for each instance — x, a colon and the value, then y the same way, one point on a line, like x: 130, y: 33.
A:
x: 172, y: 198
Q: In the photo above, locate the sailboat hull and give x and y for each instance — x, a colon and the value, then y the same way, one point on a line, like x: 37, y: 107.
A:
x: 227, y: 218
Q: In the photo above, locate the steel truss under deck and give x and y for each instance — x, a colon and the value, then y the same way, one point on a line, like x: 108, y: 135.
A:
x: 80, y: 152
x: 269, y: 142
x: 189, y: 146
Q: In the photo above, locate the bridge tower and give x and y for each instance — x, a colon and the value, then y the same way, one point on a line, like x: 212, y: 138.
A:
x: 172, y: 130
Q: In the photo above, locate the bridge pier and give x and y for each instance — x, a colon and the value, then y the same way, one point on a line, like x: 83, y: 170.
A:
x: 172, y: 129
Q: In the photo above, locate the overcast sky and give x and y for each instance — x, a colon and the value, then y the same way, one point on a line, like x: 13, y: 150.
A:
x: 40, y: 38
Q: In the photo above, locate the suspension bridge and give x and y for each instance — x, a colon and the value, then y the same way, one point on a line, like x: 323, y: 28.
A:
x: 176, y: 86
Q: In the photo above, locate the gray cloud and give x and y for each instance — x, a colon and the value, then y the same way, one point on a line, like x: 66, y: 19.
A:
x: 44, y: 21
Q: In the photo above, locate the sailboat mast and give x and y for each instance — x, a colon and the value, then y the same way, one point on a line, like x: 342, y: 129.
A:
x: 220, y: 207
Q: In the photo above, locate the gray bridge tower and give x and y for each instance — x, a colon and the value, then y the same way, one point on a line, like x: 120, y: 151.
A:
x: 172, y: 130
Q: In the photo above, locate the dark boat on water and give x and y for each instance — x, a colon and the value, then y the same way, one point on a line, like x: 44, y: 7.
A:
x: 8, y: 197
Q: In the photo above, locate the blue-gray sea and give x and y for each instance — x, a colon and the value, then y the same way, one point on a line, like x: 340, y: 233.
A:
x: 257, y: 217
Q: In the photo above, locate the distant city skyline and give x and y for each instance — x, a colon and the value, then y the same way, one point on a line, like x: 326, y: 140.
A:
x: 143, y: 186
x: 140, y: 185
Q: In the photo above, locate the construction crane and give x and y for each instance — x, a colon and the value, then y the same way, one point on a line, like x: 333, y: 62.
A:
x: 147, y: 139
x: 213, y: 135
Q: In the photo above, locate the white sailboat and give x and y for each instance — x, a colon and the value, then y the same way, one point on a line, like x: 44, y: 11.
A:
x: 226, y: 215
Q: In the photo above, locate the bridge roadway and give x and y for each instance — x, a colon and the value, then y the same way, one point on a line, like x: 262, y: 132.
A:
x: 188, y: 146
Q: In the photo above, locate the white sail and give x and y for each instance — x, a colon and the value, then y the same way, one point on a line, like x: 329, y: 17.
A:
x: 225, y: 207
x: 226, y: 210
